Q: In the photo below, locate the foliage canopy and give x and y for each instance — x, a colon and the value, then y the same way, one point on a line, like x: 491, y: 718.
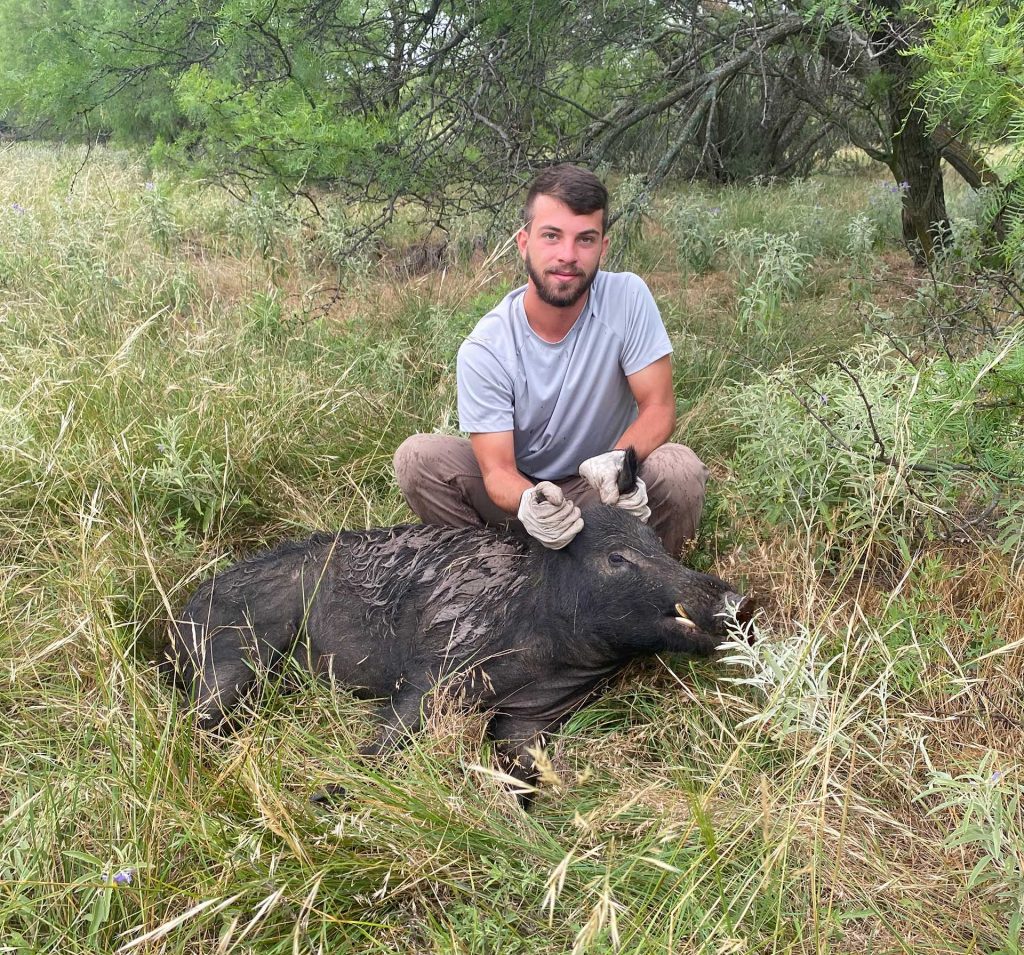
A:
x: 450, y: 105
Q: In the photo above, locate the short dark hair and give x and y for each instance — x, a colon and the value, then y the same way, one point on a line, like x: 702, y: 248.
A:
x: 578, y: 188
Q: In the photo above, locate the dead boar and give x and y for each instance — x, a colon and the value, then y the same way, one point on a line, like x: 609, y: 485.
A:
x: 525, y: 633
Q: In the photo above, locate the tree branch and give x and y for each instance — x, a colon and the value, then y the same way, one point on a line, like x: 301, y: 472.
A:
x: 619, y: 121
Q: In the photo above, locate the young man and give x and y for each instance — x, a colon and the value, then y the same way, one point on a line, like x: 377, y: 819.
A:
x: 553, y: 384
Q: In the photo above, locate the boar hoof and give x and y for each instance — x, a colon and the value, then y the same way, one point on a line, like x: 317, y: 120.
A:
x: 334, y: 796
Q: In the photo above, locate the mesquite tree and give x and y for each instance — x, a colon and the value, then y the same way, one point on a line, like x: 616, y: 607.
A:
x: 975, y: 79
x: 847, y: 63
x: 452, y: 103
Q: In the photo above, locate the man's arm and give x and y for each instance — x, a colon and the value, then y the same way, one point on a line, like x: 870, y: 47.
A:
x: 495, y: 453
x: 652, y: 389
x: 545, y: 512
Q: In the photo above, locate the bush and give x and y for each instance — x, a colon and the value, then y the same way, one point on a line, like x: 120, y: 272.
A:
x: 693, y: 230
x: 771, y: 271
x: 874, y: 449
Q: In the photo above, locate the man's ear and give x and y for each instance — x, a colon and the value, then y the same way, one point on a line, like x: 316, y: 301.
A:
x: 604, y: 247
x: 522, y: 237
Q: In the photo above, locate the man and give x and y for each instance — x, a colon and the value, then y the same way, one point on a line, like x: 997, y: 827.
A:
x: 554, y: 383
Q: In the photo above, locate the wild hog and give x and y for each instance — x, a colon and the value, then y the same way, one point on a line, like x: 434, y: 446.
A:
x: 526, y: 633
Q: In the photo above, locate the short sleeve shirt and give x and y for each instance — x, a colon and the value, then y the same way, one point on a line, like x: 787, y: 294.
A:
x: 564, y: 401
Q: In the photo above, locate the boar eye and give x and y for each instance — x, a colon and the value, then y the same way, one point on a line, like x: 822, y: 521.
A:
x: 617, y: 559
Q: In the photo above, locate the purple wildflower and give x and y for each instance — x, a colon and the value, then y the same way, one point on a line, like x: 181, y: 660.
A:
x: 18, y: 208
x: 996, y: 776
x: 150, y: 186
x: 122, y: 877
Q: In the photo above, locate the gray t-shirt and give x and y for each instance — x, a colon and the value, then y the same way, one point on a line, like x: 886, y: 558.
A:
x: 564, y: 401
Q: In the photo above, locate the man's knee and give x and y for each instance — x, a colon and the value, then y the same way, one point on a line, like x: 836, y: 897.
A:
x: 427, y: 457
x: 676, y: 479
x: 440, y: 479
x: 673, y: 470
x: 410, y: 458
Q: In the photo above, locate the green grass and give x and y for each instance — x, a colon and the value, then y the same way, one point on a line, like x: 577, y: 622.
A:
x: 179, y: 386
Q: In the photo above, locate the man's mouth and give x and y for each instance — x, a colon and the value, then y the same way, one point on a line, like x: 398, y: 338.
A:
x: 565, y: 276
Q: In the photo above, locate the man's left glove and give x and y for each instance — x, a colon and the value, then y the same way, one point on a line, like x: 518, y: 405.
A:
x: 549, y: 516
x: 602, y: 472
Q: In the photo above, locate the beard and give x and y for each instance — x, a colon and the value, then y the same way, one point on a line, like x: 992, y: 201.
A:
x: 558, y: 292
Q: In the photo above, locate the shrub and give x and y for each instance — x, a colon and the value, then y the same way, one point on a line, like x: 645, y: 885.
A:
x: 874, y: 449
x: 771, y: 271
x: 693, y: 230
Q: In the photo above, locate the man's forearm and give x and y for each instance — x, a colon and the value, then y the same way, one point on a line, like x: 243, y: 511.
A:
x: 505, y: 487
x: 652, y: 428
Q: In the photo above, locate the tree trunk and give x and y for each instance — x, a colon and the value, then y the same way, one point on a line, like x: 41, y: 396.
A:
x: 916, y: 166
x: 915, y: 161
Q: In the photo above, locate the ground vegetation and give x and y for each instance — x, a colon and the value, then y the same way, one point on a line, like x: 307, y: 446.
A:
x: 186, y: 378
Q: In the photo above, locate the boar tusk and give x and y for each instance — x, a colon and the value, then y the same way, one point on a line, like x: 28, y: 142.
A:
x: 683, y: 617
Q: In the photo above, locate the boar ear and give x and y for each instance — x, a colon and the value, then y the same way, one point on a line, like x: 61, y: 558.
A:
x: 627, y: 476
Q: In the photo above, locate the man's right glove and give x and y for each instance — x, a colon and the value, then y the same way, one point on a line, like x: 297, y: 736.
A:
x: 549, y: 516
x: 636, y: 502
x: 602, y: 473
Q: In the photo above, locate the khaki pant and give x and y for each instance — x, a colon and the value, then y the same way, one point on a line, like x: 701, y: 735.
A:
x: 441, y: 480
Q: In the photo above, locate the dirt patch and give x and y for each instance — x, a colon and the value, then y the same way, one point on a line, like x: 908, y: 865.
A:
x: 896, y: 280
x: 712, y: 291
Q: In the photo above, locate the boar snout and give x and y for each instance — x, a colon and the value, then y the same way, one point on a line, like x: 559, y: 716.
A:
x: 735, y: 609
x: 724, y: 614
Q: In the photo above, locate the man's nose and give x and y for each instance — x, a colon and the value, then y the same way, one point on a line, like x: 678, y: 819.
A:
x: 567, y: 251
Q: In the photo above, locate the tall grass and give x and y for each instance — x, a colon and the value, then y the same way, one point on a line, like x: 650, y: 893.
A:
x: 173, y: 396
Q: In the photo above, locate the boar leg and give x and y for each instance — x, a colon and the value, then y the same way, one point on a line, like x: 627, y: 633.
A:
x: 228, y: 665
x: 513, y: 737
x: 400, y: 717
x: 222, y: 678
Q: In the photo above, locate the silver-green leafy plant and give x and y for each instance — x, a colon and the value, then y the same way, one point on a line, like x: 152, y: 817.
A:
x: 772, y: 268
x: 630, y: 202
x: 159, y: 209
x: 791, y: 677
x: 692, y: 226
x: 874, y: 448
x: 192, y: 481
x: 263, y: 221
x: 984, y: 806
x: 861, y: 232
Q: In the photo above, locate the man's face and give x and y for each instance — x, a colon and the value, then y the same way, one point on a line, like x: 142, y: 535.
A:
x: 562, y: 251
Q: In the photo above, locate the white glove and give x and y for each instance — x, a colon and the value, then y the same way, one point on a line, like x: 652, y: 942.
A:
x: 602, y: 472
x: 549, y: 516
x: 636, y: 501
